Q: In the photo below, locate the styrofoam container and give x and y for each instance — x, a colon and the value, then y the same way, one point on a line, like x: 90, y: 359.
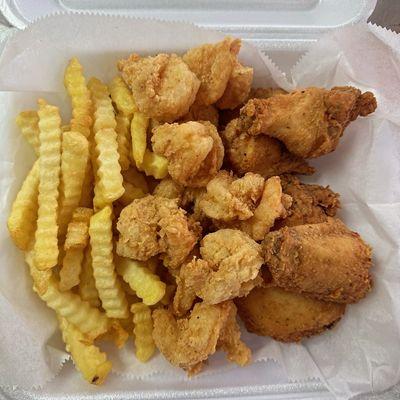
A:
x: 282, y: 28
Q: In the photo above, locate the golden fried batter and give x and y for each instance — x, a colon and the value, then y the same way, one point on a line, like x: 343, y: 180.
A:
x: 156, y: 225
x: 309, y: 122
x: 286, y: 316
x: 188, y: 342
x: 194, y: 151
x: 259, y: 154
x: 198, y: 112
x: 326, y: 261
x: 213, y: 65
x: 163, y: 86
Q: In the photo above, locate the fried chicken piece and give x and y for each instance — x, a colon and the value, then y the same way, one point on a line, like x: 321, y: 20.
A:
x: 156, y: 225
x: 325, y: 261
x: 194, y: 151
x: 188, y: 342
x: 238, y: 87
x: 198, y: 112
x: 169, y: 189
x: 213, y: 65
x: 311, y: 204
x: 309, y: 122
x: 259, y: 154
x: 163, y: 86
x: 228, y: 198
x: 286, y: 316
x: 265, y: 93
x: 229, y: 268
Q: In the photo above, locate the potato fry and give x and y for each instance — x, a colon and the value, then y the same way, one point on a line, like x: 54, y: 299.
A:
x: 88, y: 186
x: 78, y: 229
x: 74, y: 158
x: 139, y: 125
x: 116, y: 333
x: 110, y: 291
x: 143, y: 331
x: 40, y: 278
x: 131, y: 193
x: 124, y: 140
x: 75, y: 83
x: 122, y: 96
x: 154, y: 165
x: 66, y: 128
x: 87, y: 285
x: 136, y: 178
x: 146, y: 285
x: 71, y: 269
x: 22, y: 220
x: 46, y: 242
x: 28, y: 122
x: 88, y: 359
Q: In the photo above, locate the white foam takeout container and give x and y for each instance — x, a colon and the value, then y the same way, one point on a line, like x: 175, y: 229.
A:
x: 282, y: 28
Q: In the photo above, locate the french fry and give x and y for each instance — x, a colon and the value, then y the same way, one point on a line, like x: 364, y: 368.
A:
x: 124, y: 140
x: 88, y: 359
x: 143, y: 331
x: 154, y: 165
x: 139, y: 125
x: 71, y: 269
x: 146, y: 285
x: 88, y: 186
x: 87, y: 319
x: 28, y: 122
x: 46, y: 242
x: 111, y: 294
x: 122, y: 96
x: 136, y: 178
x: 74, y: 159
x: 116, y: 332
x: 66, y: 128
x: 131, y: 193
x: 40, y: 278
x: 87, y: 285
x: 78, y: 229
x: 22, y: 220
x: 75, y: 83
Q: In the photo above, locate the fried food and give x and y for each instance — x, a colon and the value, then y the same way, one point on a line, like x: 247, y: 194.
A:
x: 199, y: 112
x: 238, y: 87
x: 213, y: 65
x: 156, y: 225
x: 286, y: 316
x: 259, y: 154
x: 311, y: 204
x: 326, y: 261
x: 163, y: 86
x: 188, y: 342
x: 228, y: 268
x: 309, y: 122
x: 194, y: 151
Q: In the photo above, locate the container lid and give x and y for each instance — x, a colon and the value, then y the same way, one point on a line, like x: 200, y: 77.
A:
x: 270, y: 24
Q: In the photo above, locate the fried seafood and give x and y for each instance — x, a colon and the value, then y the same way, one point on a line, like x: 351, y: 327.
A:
x: 325, y: 261
x: 309, y: 122
x: 194, y: 151
x: 286, y: 316
x: 198, y: 112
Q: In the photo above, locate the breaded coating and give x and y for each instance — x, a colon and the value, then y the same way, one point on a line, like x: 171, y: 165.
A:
x: 325, y: 261
x: 156, y: 225
x: 194, y: 151
x: 311, y: 204
x: 286, y: 316
x: 309, y: 122
x: 213, y: 65
x: 265, y: 93
x: 229, y: 267
x: 198, y: 112
x: 238, y: 87
x: 259, y: 154
x: 163, y: 86
x: 188, y: 342
x: 170, y: 189
x: 229, y: 198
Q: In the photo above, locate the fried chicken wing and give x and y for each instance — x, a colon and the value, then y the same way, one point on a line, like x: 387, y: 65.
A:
x: 311, y: 204
x: 238, y: 87
x: 198, y: 112
x: 286, y: 316
x: 259, y: 154
x: 213, y: 65
x: 194, y: 151
x: 163, y: 86
x: 228, y: 268
x: 326, y: 261
x: 309, y: 122
x: 156, y: 225
x: 188, y: 342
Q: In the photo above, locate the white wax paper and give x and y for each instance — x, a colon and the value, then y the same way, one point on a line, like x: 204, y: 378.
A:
x: 361, y: 353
